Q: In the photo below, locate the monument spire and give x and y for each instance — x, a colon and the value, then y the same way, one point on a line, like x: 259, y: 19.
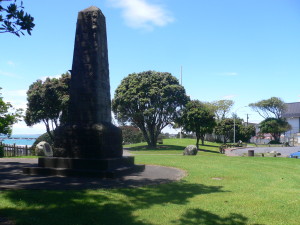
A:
x: 90, y: 87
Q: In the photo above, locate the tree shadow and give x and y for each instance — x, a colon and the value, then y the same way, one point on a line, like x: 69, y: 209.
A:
x: 116, y: 206
x: 198, y: 216
x: 215, y: 146
x: 210, y: 151
x: 158, y: 147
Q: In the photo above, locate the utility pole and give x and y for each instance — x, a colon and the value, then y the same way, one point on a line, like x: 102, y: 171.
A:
x: 247, y: 119
x: 181, y: 85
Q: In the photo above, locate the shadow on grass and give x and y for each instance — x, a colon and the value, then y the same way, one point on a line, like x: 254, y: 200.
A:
x: 115, y: 206
x: 198, y: 216
x: 158, y: 147
x: 211, y: 151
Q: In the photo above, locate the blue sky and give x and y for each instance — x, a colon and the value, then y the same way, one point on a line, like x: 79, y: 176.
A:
x: 243, y: 50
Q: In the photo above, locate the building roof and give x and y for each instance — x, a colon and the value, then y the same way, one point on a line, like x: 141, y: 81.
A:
x: 293, y: 110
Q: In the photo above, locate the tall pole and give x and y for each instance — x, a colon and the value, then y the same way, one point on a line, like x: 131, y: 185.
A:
x: 180, y: 135
x: 234, y: 128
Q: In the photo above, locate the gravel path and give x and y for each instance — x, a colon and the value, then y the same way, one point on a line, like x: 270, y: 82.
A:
x: 285, y: 151
x: 12, y: 177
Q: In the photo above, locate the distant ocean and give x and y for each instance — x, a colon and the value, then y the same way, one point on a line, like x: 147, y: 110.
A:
x: 20, y: 139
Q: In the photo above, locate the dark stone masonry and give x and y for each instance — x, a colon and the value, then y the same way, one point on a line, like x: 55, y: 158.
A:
x: 89, y: 144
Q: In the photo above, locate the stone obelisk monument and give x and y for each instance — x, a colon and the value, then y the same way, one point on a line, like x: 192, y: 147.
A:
x: 89, y: 144
x: 89, y: 132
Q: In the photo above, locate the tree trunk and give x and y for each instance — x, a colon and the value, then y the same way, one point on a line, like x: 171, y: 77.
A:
x: 197, y: 142
x: 49, y: 131
x: 153, y: 138
x: 202, y: 140
x: 149, y: 137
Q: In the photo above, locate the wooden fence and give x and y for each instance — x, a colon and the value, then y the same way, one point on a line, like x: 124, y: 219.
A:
x: 16, y: 150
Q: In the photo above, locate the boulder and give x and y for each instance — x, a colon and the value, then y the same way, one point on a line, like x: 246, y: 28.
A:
x: 190, y: 150
x: 44, y: 149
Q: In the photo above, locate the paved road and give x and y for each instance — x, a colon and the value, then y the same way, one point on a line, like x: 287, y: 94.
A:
x: 285, y: 151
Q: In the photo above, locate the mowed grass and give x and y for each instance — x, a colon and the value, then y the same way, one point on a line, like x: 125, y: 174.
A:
x: 171, y: 146
x: 218, y: 190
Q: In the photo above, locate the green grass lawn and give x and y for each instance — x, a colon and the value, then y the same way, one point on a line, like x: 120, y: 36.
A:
x: 171, y: 146
x: 218, y: 190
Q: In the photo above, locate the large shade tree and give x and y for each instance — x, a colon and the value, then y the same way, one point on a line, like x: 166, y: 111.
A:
x: 8, y: 116
x: 198, y: 117
x: 149, y: 100
x: 272, y: 110
x: 13, y: 18
x: 275, y: 127
x: 47, y: 102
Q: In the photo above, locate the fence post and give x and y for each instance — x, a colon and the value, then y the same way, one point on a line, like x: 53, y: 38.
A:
x: 26, y: 150
x: 14, y: 150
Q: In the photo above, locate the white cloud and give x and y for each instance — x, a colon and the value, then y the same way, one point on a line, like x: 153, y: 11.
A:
x: 45, y: 77
x: 11, y: 63
x: 142, y: 14
x: 22, y: 128
x: 7, y: 74
x: 16, y: 97
x: 15, y: 93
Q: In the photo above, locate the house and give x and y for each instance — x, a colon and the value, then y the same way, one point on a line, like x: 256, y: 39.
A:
x: 292, y: 115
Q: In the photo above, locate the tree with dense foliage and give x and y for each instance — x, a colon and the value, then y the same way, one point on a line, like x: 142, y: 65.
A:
x: 150, y: 101
x: 48, y: 102
x: 225, y: 128
x: 197, y: 117
x: 243, y: 132
x: 275, y: 127
x: 8, y: 116
x: 270, y: 108
x: 13, y: 19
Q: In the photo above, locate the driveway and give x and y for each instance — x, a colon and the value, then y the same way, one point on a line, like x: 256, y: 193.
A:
x: 285, y: 151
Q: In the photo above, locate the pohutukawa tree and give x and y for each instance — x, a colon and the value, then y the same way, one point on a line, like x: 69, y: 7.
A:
x: 13, y: 19
x: 150, y: 101
x: 198, y: 117
x: 48, y: 102
x: 274, y: 126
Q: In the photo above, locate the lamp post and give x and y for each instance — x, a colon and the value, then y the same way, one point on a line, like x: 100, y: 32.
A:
x: 235, y: 115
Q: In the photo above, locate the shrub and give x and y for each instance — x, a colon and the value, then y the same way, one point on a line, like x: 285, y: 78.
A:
x: 131, y: 134
x: 273, y: 142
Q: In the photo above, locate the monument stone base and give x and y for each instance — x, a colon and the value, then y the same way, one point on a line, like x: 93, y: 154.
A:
x: 95, y: 141
x: 101, y: 168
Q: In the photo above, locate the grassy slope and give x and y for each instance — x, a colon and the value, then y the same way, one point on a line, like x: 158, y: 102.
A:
x: 247, y: 191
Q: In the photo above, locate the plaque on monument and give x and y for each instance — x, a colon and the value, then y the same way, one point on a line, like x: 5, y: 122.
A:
x: 47, y: 150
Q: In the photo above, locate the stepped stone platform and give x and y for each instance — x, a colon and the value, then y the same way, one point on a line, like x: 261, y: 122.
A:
x: 100, y: 168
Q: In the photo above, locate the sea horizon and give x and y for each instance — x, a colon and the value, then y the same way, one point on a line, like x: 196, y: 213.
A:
x: 20, y: 139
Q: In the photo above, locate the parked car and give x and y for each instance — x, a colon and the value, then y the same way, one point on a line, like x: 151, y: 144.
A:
x: 295, y: 155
